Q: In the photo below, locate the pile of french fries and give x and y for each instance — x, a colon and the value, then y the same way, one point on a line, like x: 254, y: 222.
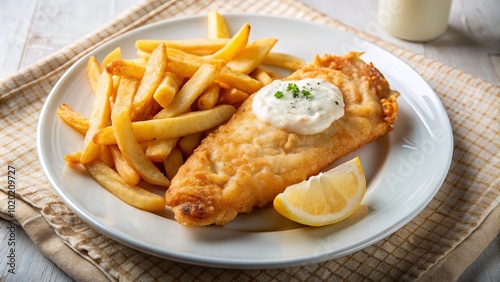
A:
x: 151, y: 112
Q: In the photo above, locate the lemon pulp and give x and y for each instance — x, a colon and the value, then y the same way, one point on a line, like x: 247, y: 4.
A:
x: 326, y: 198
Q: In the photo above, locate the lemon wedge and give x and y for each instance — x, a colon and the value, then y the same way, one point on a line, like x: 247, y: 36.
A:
x: 326, y: 198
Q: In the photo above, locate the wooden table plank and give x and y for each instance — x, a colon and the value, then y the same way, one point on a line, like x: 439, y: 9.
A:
x: 15, y: 18
x: 30, y: 264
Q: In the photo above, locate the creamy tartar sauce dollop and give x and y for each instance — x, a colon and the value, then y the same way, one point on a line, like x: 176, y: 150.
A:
x: 307, y: 106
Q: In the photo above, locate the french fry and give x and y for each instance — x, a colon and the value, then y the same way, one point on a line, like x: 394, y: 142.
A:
x: 195, y: 46
x: 235, y: 44
x: 113, y: 55
x: 261, y: 75
x: 182, y: 68
x: 143, y: 54
x: 233, y: 97
x: 116, y: 82
x: 209, y: 98
x: 122, y: 129
x: 158, y: 150
x: 142, y: 62
x: 99, y: 117
x: 73, y: 159
x: 217, y: 27
x: 130, y: 194
x: 188, y: 143
x: 164, y: 128
x: 106, y: 157
x: 264, y: 75
x: 238, y: 80
x: 142, y: 102
x: 197, y: 60
x: 168, y: 87
x: 173, y: 162
x: 185, y: 64
x: 73, y: 119
x: 191, y: 90
x: 125, y: 68
x: 93, y: 72
x: 252, y: 55
x: 284, y: 61
x: 123, y: 168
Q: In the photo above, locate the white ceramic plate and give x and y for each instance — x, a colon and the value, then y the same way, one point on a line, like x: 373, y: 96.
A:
x: 404, y: 169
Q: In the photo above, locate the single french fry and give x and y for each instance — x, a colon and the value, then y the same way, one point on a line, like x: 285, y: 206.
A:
x: 113, y: 55
x: 283, y: 60
x: 261, y: 75
x: 195, y: 46
x: 173, y: 162
x: 168, y: 87
x: 130, y: 194
x: 116, y: 82
x: 141, y: 61
x: 164, y: 128
x: 73, y: 159
x: 235, y: 44
x: 181, y: 67
x: 265, y: 75
x: 188, y: 143
x: 217, y: 27
x: 233, y: 97
x: 106, y: 157
x: 158, y: 150
x: 123, y: 168
x: 99, y: 117
x: 93, y: 72
x: 252, y: 55
x: 195, y: 59
x: 191, y: 90
x: 142, y: 103
x: 209, y: 98
x: 143, y: 54
x: 122, y: 130
x: 238, y: 80
x: 125, y: 68
x: 73, y: 119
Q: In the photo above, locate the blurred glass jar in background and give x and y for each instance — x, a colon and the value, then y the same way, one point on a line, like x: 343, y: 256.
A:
x: 414, y: 20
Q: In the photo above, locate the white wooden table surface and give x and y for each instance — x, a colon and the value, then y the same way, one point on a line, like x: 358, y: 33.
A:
x: 33, y: 29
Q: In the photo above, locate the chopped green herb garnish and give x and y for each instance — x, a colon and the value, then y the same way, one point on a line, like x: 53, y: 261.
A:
x: 295, y: 91
x: 292, y: 87
x: 306, y: 94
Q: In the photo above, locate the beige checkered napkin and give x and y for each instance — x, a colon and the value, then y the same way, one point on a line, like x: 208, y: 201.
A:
x: 459, y: 219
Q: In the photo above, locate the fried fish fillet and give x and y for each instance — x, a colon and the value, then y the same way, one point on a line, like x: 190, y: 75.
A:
x: 247, y: 162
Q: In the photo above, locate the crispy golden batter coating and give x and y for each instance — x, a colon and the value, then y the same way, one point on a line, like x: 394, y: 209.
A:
x: 245, y: 163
